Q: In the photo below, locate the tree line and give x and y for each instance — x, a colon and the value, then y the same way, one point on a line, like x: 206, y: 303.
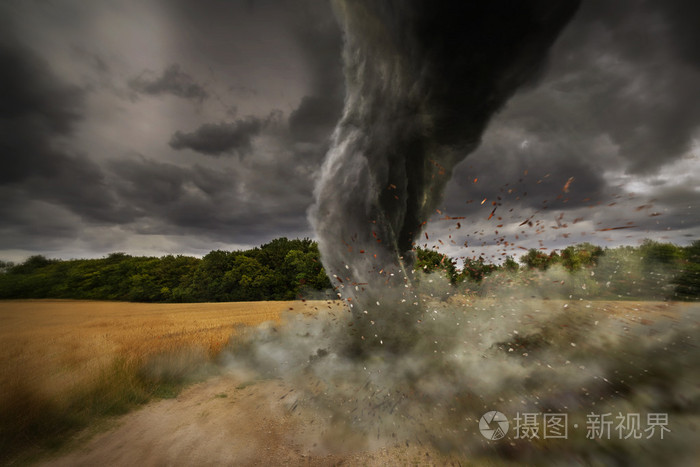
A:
x: 286, y: 269
x: 279, y: 270
x: 650, y: 271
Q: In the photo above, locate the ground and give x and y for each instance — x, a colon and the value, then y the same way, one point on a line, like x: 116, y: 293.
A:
x: 225, y: 417
x: 225, y: 422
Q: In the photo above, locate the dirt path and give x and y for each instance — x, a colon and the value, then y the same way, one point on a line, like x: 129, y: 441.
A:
x: 226, y: 422
x: 220, y: 421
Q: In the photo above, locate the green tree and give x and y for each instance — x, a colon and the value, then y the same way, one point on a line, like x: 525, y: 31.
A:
x: 535, y: 259
x: 5, y: 266
x: 430, y: 260
x: 303, y: 272
x: 32, y: 264
x: 281, y: 269
x: 579, y: 256
x: 510, y: 264
x: 206, y: 283
x: 476, y: 270
x: 247, y: 280
x: 660, y: 253
x: 688, y: 281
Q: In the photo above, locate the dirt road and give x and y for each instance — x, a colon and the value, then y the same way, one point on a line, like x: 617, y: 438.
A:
x: 225, y: 421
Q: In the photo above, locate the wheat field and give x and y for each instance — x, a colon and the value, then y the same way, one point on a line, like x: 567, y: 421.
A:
x: 65, y: 363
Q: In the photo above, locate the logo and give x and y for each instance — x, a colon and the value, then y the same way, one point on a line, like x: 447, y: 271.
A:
x: 493, y: 425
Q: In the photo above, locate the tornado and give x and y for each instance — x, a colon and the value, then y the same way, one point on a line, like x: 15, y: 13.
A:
x: 423, y: 78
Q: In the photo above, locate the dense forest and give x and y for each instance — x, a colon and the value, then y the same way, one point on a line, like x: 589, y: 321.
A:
x: 288, y: 269
x: 280, y: 270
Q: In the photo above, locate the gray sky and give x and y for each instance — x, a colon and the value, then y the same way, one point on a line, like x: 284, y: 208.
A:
x: 180, y: 127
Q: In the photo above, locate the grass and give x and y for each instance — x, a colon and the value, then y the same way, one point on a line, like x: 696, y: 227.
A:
x: 68, y: 364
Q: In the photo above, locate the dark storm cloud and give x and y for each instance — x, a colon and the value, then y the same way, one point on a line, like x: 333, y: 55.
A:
x: 522, y: 182
x: 172, y: 81
x: 34, y: 225
x: 31, y: 93
x: 38, y: 111
x: 219, y: 204
x: 321, y: 42
x: 315, y: 118
x: 215, y: 139
x: 682, y: 16
x: 59, y: 193
x: 620, y: 96
x: 678, y: 206
x: 523, y: 162
x: 35, y: 109
x: 628, y: 71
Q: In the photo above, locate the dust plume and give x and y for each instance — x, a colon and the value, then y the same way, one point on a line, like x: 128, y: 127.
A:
x: 476, y: 354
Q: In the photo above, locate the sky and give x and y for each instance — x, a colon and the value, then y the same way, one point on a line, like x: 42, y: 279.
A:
x: 180, y: 127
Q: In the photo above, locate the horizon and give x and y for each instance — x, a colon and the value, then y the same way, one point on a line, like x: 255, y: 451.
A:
x: 457, y: 261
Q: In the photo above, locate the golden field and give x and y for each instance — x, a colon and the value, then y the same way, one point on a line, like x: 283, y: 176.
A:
x: 65, y: 363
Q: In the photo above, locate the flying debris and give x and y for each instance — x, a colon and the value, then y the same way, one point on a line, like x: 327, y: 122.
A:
x: 567, y: 184
x: 617, y: 228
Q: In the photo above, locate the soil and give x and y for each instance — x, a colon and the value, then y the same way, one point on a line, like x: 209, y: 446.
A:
x: 227, y: 421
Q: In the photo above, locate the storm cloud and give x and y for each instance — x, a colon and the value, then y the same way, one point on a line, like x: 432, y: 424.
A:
x: 214, y: 139
x: 319, y: 110
x: 39, y: 112
x: 36, y: 108
x: 146, y: 127
x: 172, y: 81
x: 615, y: 112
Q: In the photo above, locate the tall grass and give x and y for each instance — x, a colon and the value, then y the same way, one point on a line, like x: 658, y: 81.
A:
x: 32, y: 419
